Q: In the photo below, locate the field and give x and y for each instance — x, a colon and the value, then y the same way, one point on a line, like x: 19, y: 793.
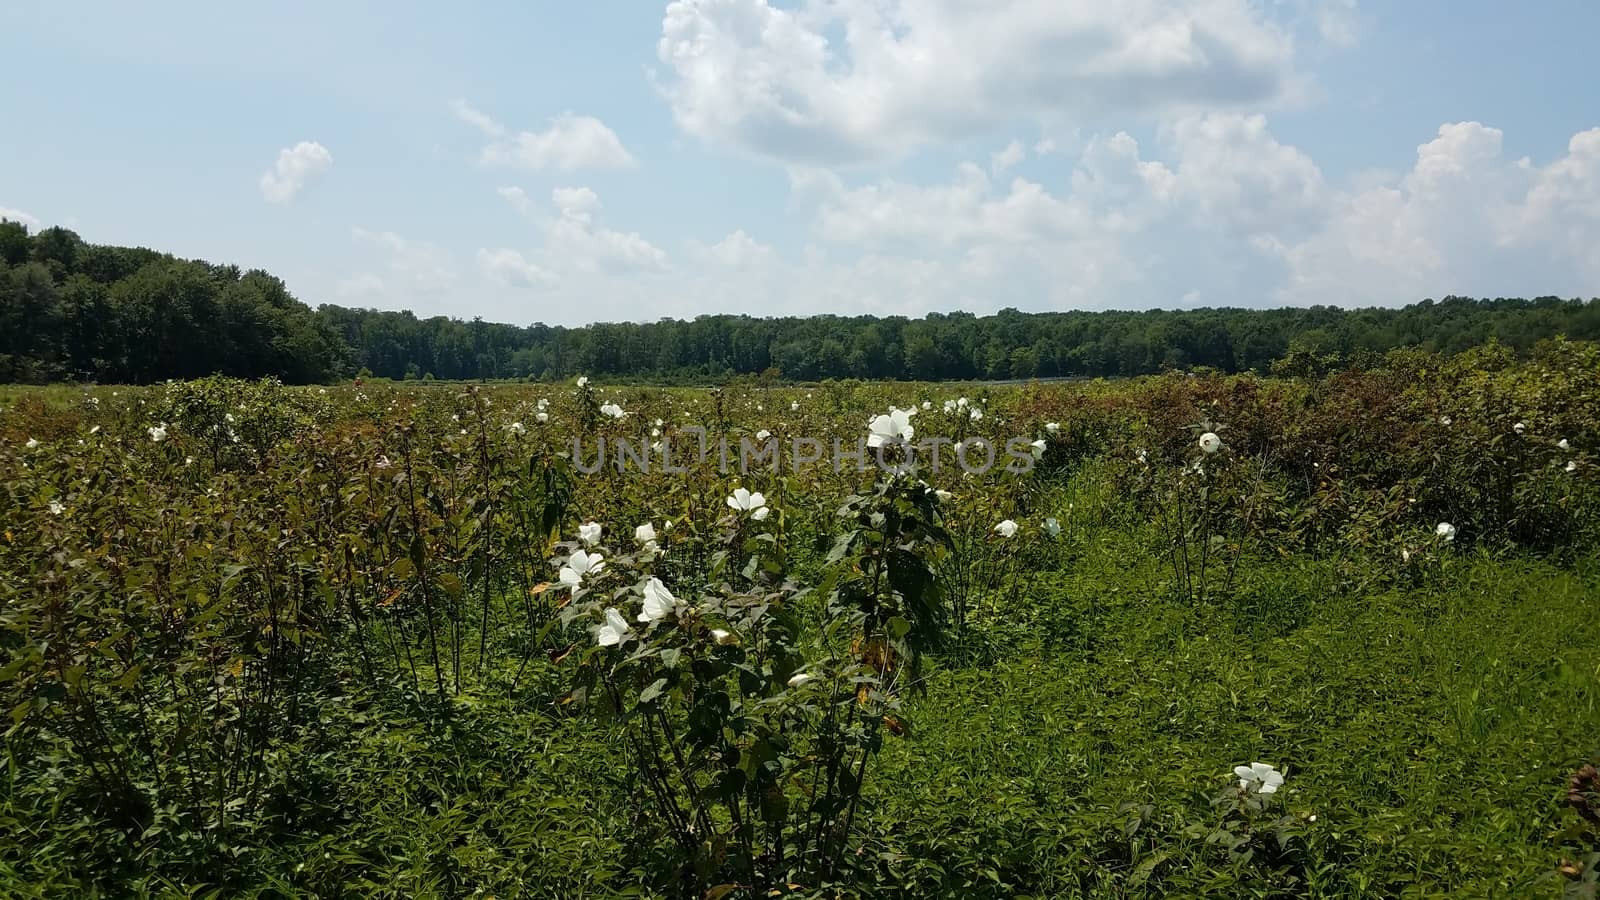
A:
x: 259, y: 640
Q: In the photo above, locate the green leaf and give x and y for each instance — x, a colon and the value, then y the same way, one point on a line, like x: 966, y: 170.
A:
x: 653, y: 691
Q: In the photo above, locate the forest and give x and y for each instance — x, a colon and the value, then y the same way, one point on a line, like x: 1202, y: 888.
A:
x: 75, y: 311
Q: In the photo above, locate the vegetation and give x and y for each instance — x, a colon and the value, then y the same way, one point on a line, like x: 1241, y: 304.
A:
x: 1326, y: 635
x: 82, y: 312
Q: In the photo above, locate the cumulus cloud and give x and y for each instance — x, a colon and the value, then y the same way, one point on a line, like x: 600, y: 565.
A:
x: 736, y: 251
x: 510, y: 268
x: 577, y: 238
x: 295, y: 167
x: 364, y: 284
x: 419, y: 267
x: 517, y: 197
x: 571, y: 142
x: 1463, y: 220
x: 839, y: 81
x: 17, y: 215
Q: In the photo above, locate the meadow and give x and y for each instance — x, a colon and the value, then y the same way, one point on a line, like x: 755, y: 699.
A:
x: 1200, y: 635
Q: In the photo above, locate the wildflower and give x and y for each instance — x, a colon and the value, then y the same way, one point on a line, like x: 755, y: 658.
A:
x: 658, y: 601
x: 892, y: 428
x: 56, y: 508
x: 158, y: 433
x: 1572, y: 466
x: 612, y: 410
x: 517, y: 428
x: 1446, y: 421
x: 542, y: 403
x: 1052, y: 427
x: 976, y: 414
x: 927, y: 405
x: 754, y: 504
x: 1052, y: 527
x: 589, y: 532
x: 32, y: 444
x: 95, y: 429
x: 646, y: 536
x: 383, y: 462
x: 1038, y: 448
x: 1446, y: 531
x: 1519, y: 428
x: 798, y: 679
x: 949, y: 407
x: 579, y: 564
x: 724, y: 636
x: 614, y: 631
x: 1563, y: 445
x: 1006, y: 528
x: 961, y: 403
x: 541, y: 417
x: 1258, y: 778
x: 794, y: 406
x: 944, y: 495
x: 763, y: 434
x: 1210, y: 443
x: 1142, y: 457
x: 583, y: 381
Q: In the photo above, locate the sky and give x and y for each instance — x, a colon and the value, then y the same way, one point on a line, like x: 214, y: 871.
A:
x: 625, y: 160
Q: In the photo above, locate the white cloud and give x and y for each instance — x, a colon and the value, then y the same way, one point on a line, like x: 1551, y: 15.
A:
x: 736, y: 251
x: 477, y: 118
x: 364, y: 284
x: 576, y: 238
x: 1338, y: 22
x: 509, y: 268
x: 837, y: 81
x: 1463, y: 220
x: 517, y: 197
x: 1235, y: 173
x: 17, y: 215
x: 571, y: 142
x: 295, y: 167
x: 1005, y: 159
x: 421, y: 268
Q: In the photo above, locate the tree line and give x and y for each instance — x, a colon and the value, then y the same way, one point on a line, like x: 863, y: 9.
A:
x: 70, y: 310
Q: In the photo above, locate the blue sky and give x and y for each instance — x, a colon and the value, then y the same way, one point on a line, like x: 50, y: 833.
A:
x: 572, y: 162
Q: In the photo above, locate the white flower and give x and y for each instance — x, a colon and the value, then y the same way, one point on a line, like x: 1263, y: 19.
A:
x: 1038, y: 448
x: 580, y: 564
x: 56, y: 508
x: 1006, y: 528
x: 976, y: 414
x: 1446, y: 531
x: 927, y: 405
x: 794, y: 406
x: 1210, y: 443
x: 1142, y: 457
x: 542, y: 403
x: 1572, y: 466
x: 1563, y: 445
x: 763, y: 434
x: 1519, y: 428
x: 1446, y: 421
x: 613, y: 410
x: 943, y: 495
x: 744, y: 501
x: 614, y: 631
x: 383, y: 462
x: 646, y: 535
x: 589, y: 532
x: 1052, y: 527
x: 658, y: 601
x: 1052, y: 427
x: 949, y: 407
x: 799, y: 678
x: 723, y: 636
x: 583, y: 381
x: 517, y: 428
x: 541, y: 417
x: 158, y: 433
x: 95, y: 430
x: 894, y: 427
x: 1258, y: 778
x: 32, y: 444
x: 961, y: 403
